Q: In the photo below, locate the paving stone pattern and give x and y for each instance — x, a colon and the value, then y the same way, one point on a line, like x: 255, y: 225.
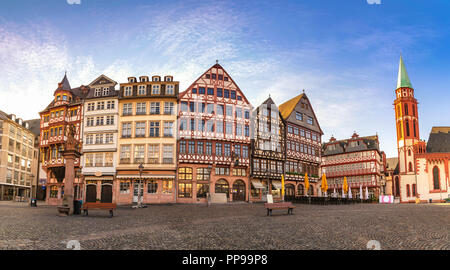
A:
x: 232, y: 226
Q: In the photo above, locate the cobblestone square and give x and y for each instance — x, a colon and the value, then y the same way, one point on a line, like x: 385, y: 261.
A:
x: 232, y: 226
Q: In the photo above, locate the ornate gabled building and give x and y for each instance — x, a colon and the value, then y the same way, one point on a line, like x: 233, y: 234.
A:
x: 359, y: 159
x: 147, y: 136
x: 65, y: 109
x: 423, y: 168
x: 213, y: 139
x: 303, y: 145
x: 100, y: 125
x: 267, y: 152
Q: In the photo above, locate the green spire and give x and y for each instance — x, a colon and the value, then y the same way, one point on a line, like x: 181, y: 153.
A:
x: 403, y: 79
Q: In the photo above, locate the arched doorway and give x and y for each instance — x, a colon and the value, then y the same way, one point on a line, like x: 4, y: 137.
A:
x: 106, y: 193
x: 91, y: 193
x: 300, y: 190
x: 289, y: 194
x: 311, y: 190
x: 238, y: 190
x: 222, y: 187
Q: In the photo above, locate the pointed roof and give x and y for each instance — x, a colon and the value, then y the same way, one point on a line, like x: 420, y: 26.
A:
x: 287, y: 107
x: 403, y: 79
x: 64, y: 84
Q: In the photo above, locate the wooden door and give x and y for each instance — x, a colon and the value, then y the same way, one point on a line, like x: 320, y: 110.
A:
x: 106, y: 194
x: 91, y: 193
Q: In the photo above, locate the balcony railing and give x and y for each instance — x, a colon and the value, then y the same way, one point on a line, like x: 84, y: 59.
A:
x: 125, y: 161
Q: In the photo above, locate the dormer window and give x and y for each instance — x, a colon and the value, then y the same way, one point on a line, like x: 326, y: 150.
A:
x: 142, y: 90
x: 156, y: 78
x: 127, y: 91
x: 170, y: 89
x: 98, y: 92
x: 58, y: 97
x: 105, y: 91
x: 168, y: 78
x: 131, y: 79
x: 155, y: 90
x: 64, y: 97
x: 331, y: 147
x: 207, y: 76
x: 143, y: 79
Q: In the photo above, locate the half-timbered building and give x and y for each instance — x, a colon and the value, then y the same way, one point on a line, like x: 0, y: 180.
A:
x: 213, y: 139
x: 267, y: 151
x: 303, y: 143
x: 359, y: 159
x: 65, y: 109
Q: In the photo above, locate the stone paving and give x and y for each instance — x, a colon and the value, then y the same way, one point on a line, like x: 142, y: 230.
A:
x: 232, y: 226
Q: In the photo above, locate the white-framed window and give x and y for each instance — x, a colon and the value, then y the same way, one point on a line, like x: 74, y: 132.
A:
x: 110, y: 119
x: 154, y: 107
x: 140, y: 129
x: 89, y: 161
x: 100, y: 105
x: 100, y: 121
x: 90, y: 121
x: 168, y: 107
x: 170, y: 89
x: 139, y: 153
x: 141, y: 108
x: 98, y: 159
x: 91, y: 106
x: 89, y: 139
x: 127, y: 109
x: 98, y: 92
x: 153, y: 153
x: 98, y: 138
x: 126, y: 130
x: 109, y: 138
x: 110, y: 104
x: 105, y: 91
x: 168, y: 129
x: 142, y: 90
x: 155, y: 89
x: 127, y: 91
x: 168, y: 153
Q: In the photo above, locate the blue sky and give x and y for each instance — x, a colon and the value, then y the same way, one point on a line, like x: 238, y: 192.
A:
x: 343, y: 53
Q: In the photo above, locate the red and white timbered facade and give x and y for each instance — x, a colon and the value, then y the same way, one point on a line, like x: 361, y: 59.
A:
x: 65, y: 109
x: 213, y: 139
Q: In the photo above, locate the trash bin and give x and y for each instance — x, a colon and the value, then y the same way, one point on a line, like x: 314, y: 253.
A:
x: 76, y: 207
x: 33, y: 202
x: 430, y: 200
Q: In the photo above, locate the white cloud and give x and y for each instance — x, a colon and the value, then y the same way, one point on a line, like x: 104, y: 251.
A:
x: 371, y: 2
x: 76, y: 2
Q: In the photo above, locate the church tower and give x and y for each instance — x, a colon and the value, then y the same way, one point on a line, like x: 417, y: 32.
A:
x: 407, y: 121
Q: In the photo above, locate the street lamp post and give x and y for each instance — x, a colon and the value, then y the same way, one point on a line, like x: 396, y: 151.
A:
x: 208, y: 199
x: 141, y: 168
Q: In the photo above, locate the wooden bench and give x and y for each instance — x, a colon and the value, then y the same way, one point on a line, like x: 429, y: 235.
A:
x: 98, y: 205
x: 281, y: 205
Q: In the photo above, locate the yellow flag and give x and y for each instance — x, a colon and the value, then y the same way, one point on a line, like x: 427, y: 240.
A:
x: 282, y: 185
x: 324, y: 183
x: 306, y: 183
x: 345, y: 185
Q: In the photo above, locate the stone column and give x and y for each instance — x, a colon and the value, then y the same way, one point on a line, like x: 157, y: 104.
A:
x: 69, y: 177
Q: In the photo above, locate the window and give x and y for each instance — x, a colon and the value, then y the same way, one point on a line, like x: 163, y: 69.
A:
x: 154, y: 129
x: 110, y: 120
x: 185, y: 173
x: 220, y: 109
x: 152, y: 186
x: 192, y: 106
x: 183, y: 124
x: 168, y: 154
x: 110, y: 104
x: 222, y: 171
x: 201, y: 90
x: 155, y: 90
x: 414, y: 189
x: 407, y: 128
x: 99, y: 160
x: 125, y: 187
x: 89, y: 123
x: 238, y: 112
x: 237, y: 150
x: 208, y: 150
x: 91, y: 106
x: 191, y: 147
x: 168, y: 107
x: 194, y: 90
x: 98, y: 138
x: 153, y: 153
x: 209, y: 108
x: 170, y: 89
x: 182, y: 147
x: 184, y: 106
x: 218, y: 149
x: 229, y: 128
x: 98, y: 92
x: 154, y: 107
x: 310, y: 120
x: 184, y: 190
x: 109, y: 138
x: 140, y: 129
x: 408, y: 192
x: 105, y: 91
x: 141, y: 108
x: 126, y: 130
x: 127, y: 109
x: 200, y: 148
x: 167, y: 187
x: 211, y: 91
x: 238, y: 130
x: 299, y: 116
x: 247, y: 114
x: 233, y: 94
x: 89, y: 139
x: 127, y: 91
x: 219, y: 92
x: 100, y: 105
x: 139, y: 153
x: 226, y: 93
x: 192, y: 126
x: 227, y: 149
x: 142, y: 90
x: 436, y: 184
x: 202, y: 190
x: 210, y: 126
x: 245, y: 151
x: 229, y: 110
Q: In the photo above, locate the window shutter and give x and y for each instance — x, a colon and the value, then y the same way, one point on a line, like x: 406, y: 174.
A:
x: 163, y: 89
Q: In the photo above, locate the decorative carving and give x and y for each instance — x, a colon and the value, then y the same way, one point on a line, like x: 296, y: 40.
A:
x: 71, y: 143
